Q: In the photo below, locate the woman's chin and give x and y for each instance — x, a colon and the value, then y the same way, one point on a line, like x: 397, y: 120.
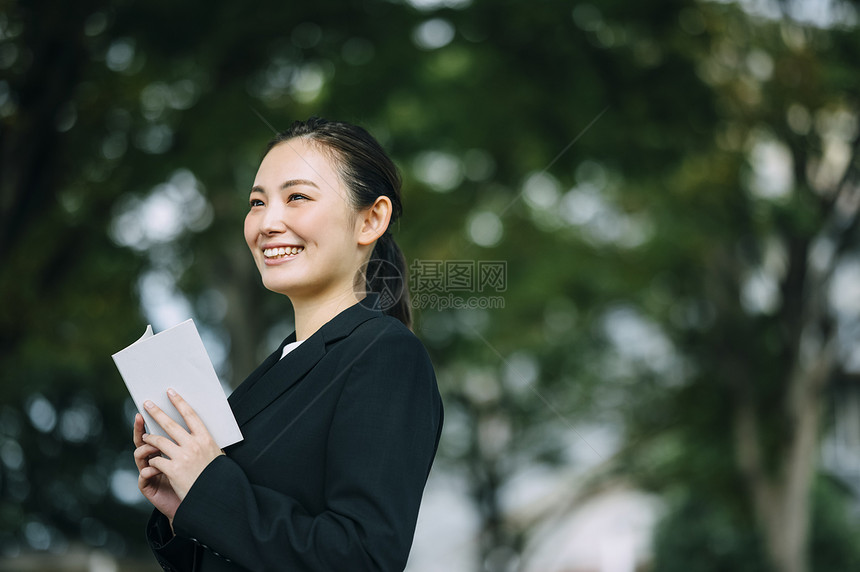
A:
x: 293, y: 288
x: 280, y: 287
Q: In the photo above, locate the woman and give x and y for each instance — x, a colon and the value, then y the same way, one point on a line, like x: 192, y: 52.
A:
x: 342, y: 421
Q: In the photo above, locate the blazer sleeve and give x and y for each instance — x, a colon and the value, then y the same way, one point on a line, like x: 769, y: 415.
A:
x: 382, y: 441
x: 174, y: 554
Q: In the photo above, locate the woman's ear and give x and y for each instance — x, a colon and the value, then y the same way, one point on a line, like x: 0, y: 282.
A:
x: 373, y: 221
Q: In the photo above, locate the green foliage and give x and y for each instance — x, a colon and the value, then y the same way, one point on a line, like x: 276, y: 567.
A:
x: 700, y: 534
x: 834, y: 528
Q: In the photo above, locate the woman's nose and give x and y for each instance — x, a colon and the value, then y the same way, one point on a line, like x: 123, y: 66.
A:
x: 273, y: 221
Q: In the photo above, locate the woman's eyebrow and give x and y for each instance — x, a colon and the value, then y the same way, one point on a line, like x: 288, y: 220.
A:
x: 287, y: 184
x: 296, y: 182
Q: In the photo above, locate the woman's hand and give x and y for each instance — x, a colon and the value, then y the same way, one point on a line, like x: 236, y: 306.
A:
x: 152, y: 482
x: 188, y: 453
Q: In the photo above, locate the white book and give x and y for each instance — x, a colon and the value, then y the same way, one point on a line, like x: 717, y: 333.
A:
x: 176, y: 358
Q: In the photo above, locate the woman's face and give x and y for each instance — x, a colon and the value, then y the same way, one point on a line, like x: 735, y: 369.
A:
x: 300, y: 228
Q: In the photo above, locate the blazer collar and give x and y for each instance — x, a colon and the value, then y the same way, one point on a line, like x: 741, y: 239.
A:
x: 275, y: 375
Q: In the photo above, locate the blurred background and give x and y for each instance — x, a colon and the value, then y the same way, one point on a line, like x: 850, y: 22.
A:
x: 632, y: 231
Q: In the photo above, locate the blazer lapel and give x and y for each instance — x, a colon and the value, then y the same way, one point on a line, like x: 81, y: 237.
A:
x: 260, y: 371
x: 278, y: 379
x: 275, y: 375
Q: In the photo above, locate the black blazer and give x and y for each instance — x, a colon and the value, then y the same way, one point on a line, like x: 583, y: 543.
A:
x: 338, y: 441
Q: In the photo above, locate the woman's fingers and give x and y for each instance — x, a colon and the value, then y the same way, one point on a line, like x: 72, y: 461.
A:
x: 161, y: 465
x: 192, y: 420
x: 161, y: 445
x: 186, y: 453
x: 137, y: 434
x: 143, y: 454
x: 171, y: 427
x: 148, y: 472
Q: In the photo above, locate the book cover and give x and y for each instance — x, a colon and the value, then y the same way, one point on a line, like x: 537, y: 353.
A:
x: 176, y: 358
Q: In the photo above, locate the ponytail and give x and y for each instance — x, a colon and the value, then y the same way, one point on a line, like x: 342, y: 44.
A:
x: 386, y: 276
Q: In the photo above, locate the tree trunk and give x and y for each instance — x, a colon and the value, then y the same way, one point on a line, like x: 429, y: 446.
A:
x: 781, y: 502
x: 781, y: 498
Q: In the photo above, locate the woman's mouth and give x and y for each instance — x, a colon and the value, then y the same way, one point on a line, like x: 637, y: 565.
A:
x: 281, y: 252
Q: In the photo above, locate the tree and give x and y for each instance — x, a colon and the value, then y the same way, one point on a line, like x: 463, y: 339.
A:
x: 776, y: 215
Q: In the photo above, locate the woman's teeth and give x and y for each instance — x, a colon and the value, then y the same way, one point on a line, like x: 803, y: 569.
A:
x: 284, y: 251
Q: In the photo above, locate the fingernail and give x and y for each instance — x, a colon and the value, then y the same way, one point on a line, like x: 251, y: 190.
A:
x: 148, y: 404
x: 171, y: 393
x: 144, y: 436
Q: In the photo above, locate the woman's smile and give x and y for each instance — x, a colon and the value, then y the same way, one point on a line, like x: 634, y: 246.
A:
x: 275, y: 254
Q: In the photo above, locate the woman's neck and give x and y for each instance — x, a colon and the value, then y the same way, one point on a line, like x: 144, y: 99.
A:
x: 312, y: 314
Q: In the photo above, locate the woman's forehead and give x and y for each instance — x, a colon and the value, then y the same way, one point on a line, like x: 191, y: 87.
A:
x: 297, y: 159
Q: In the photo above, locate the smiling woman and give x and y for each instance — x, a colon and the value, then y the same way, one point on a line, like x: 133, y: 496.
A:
x: 342, y: 421
x: 299, y: 204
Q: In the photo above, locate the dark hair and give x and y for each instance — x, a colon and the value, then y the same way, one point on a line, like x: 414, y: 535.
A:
x: 368, y: 173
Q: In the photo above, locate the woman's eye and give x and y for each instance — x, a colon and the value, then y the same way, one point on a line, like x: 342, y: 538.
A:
x: 256, y: 203
x: 296, y: 196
